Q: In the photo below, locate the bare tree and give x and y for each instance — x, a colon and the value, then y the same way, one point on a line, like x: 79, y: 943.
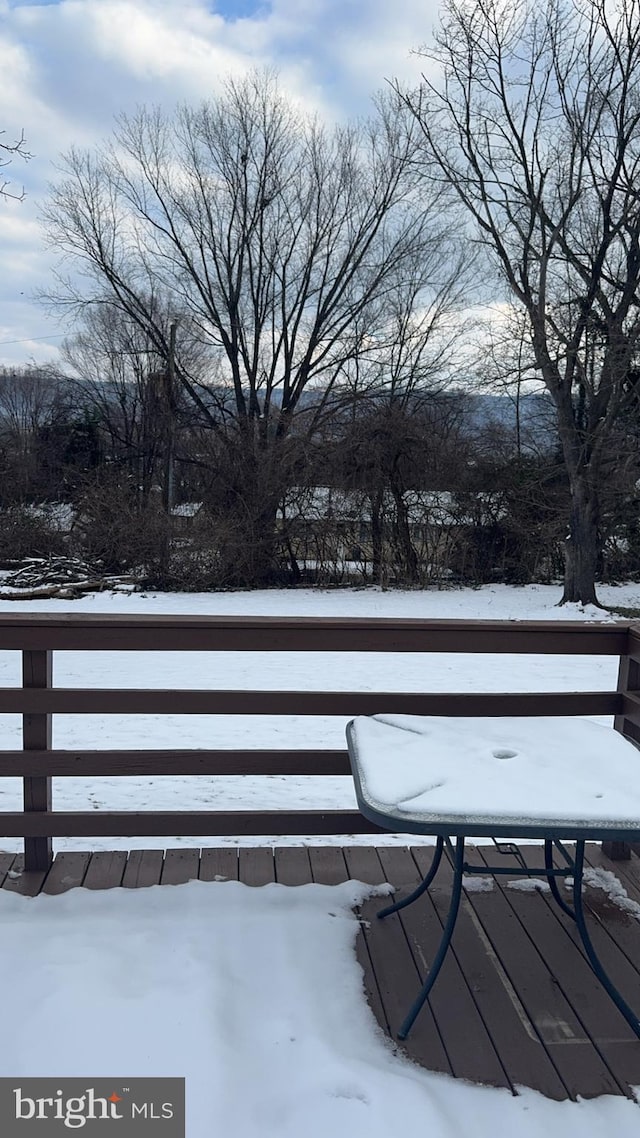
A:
x: 9, y: 151
x: 115, y: 365
x: 280, y: 239
x: 32, y: 400
x: 394, y: 387
x: 534, y: 122
x: 123, y: 381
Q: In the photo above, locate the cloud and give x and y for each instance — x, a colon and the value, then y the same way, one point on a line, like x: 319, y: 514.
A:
x: 69, y: 67
x: 361, y: 46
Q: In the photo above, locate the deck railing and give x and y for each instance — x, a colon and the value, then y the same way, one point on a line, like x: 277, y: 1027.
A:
x: 37, y: 637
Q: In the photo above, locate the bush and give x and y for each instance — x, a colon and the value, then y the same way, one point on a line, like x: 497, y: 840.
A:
x: 115, y: 529
x: 27, y: 532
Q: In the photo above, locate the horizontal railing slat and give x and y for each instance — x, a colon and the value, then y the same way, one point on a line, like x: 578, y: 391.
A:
x: 192, y: 762
x: 204, y: 823
x: 150, y: 701
x: 141, y: 632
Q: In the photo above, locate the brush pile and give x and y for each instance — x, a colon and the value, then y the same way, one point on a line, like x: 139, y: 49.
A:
x: 41, y: 578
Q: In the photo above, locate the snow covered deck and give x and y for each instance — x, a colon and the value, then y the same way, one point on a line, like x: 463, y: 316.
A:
x: 516, y: 1003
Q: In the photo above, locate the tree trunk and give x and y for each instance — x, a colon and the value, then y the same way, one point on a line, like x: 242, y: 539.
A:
x: 377, y: 537
x: 405, y: 552
x: 249, y: 549
x: 581, y: 546
x: 248, y: 484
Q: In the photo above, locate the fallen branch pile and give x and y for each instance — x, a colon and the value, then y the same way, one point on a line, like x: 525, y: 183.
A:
x: 66, y: 578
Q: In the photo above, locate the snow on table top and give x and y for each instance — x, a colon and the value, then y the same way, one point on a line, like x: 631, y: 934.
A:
x: 508, y: 771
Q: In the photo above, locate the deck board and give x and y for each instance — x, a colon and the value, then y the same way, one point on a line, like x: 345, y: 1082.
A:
x: 623, y: 927
x: 516, y: 1004
x: 143, y: 868
x: 219, y: 864
x: 394, y: 968
x: 292, y: 865
x: 515, y: 1039
x: 67, y: 872
x: 469, y: 1046
x: 627, y: 872
x: 327, y: 865
x: 613, y: 1042
x: 6, y: 862
x: 180, y: 865
x: 105, y: 870
x: 256, y: 866
x: 26, y: 882
x: 614, y: 934
x: 573, y: 1054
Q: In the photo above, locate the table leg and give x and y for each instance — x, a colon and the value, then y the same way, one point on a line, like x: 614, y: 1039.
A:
x: 447, y: 933
x: 422, y: 887
x: 553, y: 883
x: 621, y: 1004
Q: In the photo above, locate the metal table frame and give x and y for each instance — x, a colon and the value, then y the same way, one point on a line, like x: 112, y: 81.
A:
x: 552, y: 836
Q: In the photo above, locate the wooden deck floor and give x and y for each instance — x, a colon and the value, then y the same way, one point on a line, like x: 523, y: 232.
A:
x: 516, y: 1003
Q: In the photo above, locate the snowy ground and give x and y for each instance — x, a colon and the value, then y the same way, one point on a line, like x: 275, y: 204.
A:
x: 312, y: 671
x: 278, y: 1043
x: 167, y: 981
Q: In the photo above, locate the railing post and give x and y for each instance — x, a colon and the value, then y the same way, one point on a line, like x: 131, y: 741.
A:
x: 36, y: 736
x: 628, y: 680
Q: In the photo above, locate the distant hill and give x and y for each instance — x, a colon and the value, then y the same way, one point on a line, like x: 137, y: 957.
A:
x: 536, y: 415
x: 535, y: 412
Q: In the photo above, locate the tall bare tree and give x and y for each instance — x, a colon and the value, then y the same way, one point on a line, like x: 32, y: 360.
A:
x: 281, y: 239
x: 532, y: 117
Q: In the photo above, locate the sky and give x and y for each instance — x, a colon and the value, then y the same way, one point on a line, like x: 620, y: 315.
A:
x: 70, y: 66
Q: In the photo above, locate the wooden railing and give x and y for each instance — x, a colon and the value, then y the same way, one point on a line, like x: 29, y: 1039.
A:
x: 37, y: 637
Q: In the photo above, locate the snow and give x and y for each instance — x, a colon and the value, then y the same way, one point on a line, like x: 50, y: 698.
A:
x: 603, y: 879
x: 255, y: 995
x: 477, y: 884
x: 529, y: 885
x: 597, y: 878
x: 438, y: 508
x: 273, y: 1043
x: 186, y: 509
x: 508, y: 772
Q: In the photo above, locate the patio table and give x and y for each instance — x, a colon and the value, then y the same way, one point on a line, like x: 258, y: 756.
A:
x: 552, y: 779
